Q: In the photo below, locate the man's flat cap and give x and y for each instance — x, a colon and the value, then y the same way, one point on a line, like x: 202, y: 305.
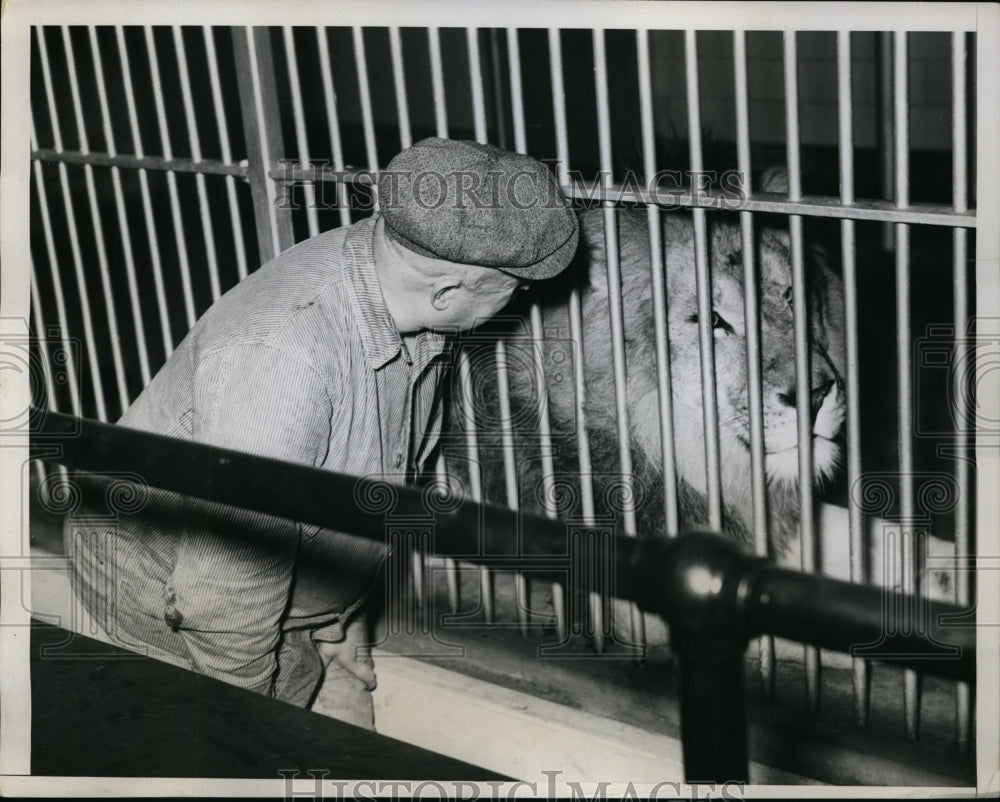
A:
x: 477, y: 204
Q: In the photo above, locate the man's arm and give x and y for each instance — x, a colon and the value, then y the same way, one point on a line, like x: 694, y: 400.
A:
x: 233, y: 572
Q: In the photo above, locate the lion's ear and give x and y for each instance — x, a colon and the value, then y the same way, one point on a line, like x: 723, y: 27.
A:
x: 774, y: 179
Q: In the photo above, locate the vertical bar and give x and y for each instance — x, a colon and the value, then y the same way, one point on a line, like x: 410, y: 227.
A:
x: 399, y: 82
x: 849, y: 255
x: 437, y: 82
x: 227, y: 154
x: 500, y: 126
x: 123, y: 224
x: 751, y: 306
x: 50, y: 250
x: 475, y: 480
x: 330, y: 104
x: 803, y: 394
x: 713, y: 708
x: 886, y: 126
x: 656, y: 271
x: 510, y: 471
x: 364, y: 89
x: 175, y: 204
x: 704, y: 283
x: 451, y: 575
x: 207, y: 230
x: 41, y: 337
x: 911, y: 692
x: 537, y: 334
x: 95, y: 219
x: 616, y: 310
x: 960, y: 236
x: 301, y: 139
x: 262, y: 131
x: 986, y: 113
x: 559, y: 105
x: 74, y: 239
x: 476, y: 81
x: 147, y: 202
x: 575, y: 321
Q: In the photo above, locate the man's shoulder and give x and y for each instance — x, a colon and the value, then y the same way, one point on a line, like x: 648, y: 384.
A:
x: 326, y: 259
x: 268, y: 298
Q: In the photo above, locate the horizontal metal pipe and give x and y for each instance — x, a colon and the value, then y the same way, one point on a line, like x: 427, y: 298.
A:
x: 697, y: 581
x: 810, y: 206
x: 209, y: 166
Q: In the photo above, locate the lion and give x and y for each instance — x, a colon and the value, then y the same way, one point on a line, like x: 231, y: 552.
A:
x: 642, y: 394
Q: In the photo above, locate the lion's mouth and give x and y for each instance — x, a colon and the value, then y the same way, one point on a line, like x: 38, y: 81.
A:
x: 795, y: 446
x: 745, y: 440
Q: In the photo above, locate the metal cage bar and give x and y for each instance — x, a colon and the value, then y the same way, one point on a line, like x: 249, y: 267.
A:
x: 702, y: 256
x: 265, y: 146
x: 845, y: 108
x: 333, y: 116
x: 755, y: 402
x: 207, y: 229
x: 399, y: 83
x: 475, y: 468
x: 929, y: 214
x: 614, y: 280
x: 960, y: 245
x: 803, y: 383
x: 227, y: 156
x: 907, y: 504
x: 657, y: 279
x: 437, y: 82
x: 301, y: 137
x: 556, y: 77
x: 365, y: 93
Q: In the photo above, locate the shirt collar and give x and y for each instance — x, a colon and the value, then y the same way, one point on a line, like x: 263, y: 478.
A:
x: 379, y: 337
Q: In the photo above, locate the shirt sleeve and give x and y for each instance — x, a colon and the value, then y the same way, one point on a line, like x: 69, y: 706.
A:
x: 233, y: 571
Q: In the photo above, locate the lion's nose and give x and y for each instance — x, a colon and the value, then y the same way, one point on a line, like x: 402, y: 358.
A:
x: 817, y: 396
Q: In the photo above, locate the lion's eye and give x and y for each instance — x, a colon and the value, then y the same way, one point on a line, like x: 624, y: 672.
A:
x: 718, y: 322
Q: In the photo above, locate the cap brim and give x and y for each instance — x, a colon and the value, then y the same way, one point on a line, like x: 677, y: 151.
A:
x: 553, y: 264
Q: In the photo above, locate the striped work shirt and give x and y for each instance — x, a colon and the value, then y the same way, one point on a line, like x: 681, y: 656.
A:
x: 299, y: 362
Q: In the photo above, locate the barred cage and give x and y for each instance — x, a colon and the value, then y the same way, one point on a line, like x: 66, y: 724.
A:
x: 153, y: 192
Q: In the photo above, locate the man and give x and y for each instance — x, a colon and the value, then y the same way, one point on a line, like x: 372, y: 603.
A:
x: 331, y: 355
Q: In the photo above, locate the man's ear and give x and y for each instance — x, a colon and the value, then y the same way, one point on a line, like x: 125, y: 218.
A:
x: 444, y: 293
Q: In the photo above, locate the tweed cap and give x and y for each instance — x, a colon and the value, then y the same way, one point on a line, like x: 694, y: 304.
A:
x: 477, y: 204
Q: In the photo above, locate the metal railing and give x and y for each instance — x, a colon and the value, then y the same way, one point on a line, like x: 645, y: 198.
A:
x: 714, y: 595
